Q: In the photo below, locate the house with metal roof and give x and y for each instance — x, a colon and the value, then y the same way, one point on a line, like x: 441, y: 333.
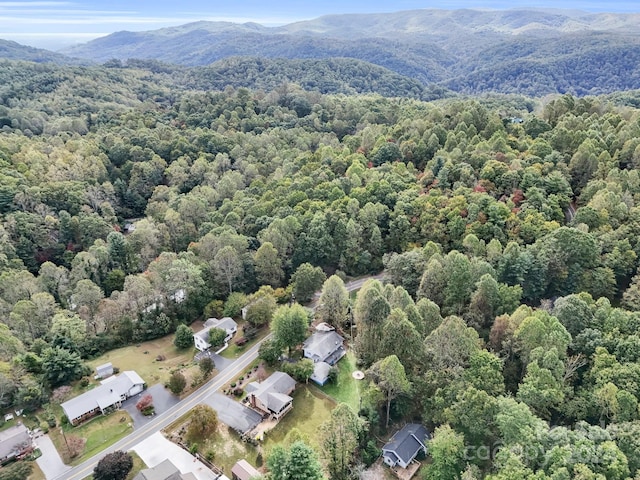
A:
x: 271, y: 397
x: 14, y: 441
x: 325, y: 348
x: 243, y: 470
x: 201, y: 338
x: 107, y: 396
x: 405, y: 445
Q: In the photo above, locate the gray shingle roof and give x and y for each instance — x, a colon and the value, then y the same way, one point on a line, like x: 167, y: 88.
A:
x: 321, y: 345
x: 273, y: 392
x: 165, y: 470
x: 103, y: 396
x: 406, y: 442
x: 12, y: 439
x: 321, y: 372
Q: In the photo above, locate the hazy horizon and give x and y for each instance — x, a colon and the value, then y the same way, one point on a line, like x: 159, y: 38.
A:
x: 58, y: 24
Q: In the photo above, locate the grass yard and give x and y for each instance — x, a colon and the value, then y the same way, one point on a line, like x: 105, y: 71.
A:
x: 36, y: 473
x: 142, y: 359
x: 99, y: 433
x: 233, y: 351
x: 346, y: 389
x: 311, y: 408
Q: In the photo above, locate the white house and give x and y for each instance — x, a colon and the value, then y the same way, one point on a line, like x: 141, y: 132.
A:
x: 107, y: 396
x: 201, y: 338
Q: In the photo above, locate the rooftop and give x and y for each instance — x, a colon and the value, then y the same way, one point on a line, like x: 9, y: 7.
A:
x: 407, y: 441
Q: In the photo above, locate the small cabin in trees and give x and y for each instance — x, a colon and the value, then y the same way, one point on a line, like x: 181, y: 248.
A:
x: 405, y: 445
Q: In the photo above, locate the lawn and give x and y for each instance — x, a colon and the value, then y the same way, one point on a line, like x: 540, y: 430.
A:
x: 311, y: 408
x: 36, y: 473
x: 143, y: 359
x: 233, y: 351
x: 346, y: 389
x: 99, y: 433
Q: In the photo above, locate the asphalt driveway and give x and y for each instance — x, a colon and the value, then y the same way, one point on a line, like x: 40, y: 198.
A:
x: 232, y: 413
x: 218, y: 360
x: 163, y: 400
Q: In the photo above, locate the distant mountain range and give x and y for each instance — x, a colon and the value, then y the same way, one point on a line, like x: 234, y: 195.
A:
x: 533, y: 52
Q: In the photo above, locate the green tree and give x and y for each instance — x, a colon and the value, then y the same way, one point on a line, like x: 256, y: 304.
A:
x: 203, y: 423
x: 334, y: 301
x: 113, y: 466
x: 306, y: 280
x: 268, y: 265
x: 184, y: 337
x: 60, y: 366
x: 177, y: 383
x: 217, y: 337
x: 339, y: 439
x: 206, y: 366
x: 261, y: 307
x: 289, y: 326
x: 447, y: 455
x: 389, y: 376
x: 297, y: 462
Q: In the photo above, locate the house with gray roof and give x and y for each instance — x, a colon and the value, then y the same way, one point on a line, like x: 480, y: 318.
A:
x: 271, y: 397
x: 165, y: 470
x: 14, y: 441
x: 325, y: 348
x: 201, y: 338
x: 405, y: 445
x: 107, y: 396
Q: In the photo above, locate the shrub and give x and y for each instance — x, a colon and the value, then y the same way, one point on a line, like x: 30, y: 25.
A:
x: 84, y: 382
x: 177, y: 382
x: 145, y: 403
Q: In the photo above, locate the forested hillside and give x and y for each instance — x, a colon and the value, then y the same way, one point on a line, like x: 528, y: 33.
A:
x: 526, y: 51
x: 508, y: 228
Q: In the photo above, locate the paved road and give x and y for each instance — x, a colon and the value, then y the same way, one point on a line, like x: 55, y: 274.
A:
x: 162, y: 420
x: 85, y: 469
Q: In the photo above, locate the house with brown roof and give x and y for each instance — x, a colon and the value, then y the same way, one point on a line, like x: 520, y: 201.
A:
x: 243, y: 470
x: 271, y: 397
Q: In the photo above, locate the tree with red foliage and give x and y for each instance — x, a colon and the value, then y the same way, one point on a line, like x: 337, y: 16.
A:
x: 145, y: 405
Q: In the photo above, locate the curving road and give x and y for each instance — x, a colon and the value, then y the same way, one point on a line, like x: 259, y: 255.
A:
x: 216, y: 383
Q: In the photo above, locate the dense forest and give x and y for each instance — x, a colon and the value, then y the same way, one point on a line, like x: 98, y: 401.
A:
x: 133, y: 199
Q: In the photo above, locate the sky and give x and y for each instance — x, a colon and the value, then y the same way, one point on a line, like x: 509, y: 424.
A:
x: 56, y: 24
